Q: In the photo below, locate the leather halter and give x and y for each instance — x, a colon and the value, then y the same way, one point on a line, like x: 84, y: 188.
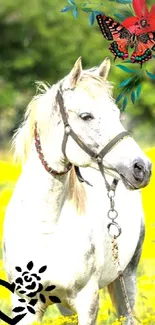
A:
x: 69, y: 131
x: 97, y: 156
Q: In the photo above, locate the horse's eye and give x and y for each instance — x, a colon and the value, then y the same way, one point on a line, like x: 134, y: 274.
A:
x: 86, y: 116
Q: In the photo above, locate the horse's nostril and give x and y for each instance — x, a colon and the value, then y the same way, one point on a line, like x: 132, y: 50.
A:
x: 138, y: 171
x: 138, y: 167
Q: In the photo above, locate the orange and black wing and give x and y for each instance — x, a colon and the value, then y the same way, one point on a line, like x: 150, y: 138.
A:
x: 144, y: 47
x: 114, y: 31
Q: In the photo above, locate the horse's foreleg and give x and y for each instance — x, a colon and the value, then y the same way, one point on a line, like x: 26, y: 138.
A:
x: 87, y: 303
x: 29, y: 318
x: 130, y: 283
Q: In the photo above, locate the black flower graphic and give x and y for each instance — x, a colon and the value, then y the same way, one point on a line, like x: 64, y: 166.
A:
x: 28, y: 305
x: 29, y: 283
x: 30, y: 286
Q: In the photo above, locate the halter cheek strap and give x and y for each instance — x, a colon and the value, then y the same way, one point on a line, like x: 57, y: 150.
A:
x: 110, y: 145
x: 97, y: 156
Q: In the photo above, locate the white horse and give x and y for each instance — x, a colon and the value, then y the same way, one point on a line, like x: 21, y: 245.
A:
x: 55, y: 220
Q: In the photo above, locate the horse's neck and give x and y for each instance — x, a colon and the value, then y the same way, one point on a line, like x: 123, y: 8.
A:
x: 44, y: 190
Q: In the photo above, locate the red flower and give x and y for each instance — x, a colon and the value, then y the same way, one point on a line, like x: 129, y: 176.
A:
x: 143, y: 21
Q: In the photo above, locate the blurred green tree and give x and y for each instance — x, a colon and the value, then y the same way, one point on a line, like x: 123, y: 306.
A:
x: 38, y: 42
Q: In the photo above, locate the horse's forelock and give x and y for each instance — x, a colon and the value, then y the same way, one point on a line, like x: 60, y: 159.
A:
x: 91, y: 79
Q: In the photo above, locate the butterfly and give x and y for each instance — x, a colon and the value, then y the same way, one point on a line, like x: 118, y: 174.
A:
x: 123, y: 38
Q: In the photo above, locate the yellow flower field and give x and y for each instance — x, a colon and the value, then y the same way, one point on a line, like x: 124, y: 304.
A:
x: 145, y: 306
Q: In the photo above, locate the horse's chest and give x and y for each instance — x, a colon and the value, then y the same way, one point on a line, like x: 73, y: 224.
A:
x: 129, y: 218
x: 127, y: 243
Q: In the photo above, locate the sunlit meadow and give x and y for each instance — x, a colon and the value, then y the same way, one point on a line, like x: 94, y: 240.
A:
x: 145, y: 305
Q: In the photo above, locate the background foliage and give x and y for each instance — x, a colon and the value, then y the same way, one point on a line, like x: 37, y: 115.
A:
x: 38, y: 42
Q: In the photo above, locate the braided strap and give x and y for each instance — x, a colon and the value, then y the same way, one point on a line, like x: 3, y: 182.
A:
x: 42, y: 159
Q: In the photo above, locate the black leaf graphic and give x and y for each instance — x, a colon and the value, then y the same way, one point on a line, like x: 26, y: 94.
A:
x: 31, y: 294
x: 50, y: 288
x: 18, y: 268
x: 22, y: 291
x: 19, y: 280
x: 25, y: 272
x: 31, y: 286
x: 54, y: 299
x: 42, y: 298
x: 40, y: 287
x: 21, y: 300
x: 30, y: 265
x: 18, y: 287
x: 36, y: 276
x: 27, y: 278
x: 33, y: 302
x: 18, y: 309
x: 42, y: 269
x: 31, y: 310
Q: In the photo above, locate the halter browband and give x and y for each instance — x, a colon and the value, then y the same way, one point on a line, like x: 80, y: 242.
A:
x: 69, y: 131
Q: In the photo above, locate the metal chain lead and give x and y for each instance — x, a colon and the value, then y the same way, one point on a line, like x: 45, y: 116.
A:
x: 112, y: 215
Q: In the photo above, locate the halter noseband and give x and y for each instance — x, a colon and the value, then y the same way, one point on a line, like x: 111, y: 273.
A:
x: 69, y: 131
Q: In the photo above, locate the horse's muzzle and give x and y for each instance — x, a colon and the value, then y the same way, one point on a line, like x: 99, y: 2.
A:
x: 138, y: 175
x: 142, y: 171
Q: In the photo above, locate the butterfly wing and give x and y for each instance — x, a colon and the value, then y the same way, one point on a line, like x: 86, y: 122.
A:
x: 112, y: 30
x: 143, y: 49
x: 151, y: 42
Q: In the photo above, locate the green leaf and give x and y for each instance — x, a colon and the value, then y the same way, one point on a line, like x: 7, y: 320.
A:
x: 119, y: 97
x: 67, y: 8
x: 75, y: 12
x: 97, y: 12
x: 124, y: 68
x: 133, y: 96
x: 138, y: 91
x: 84, y: 4
x: 120, y: 16
x: 91, y: 18
x: 125, y: 82
x: 128, y: 61
x: 71, y: 2
x: 151, y: 75
x: 86, y: 9
x: 124, y: 1
x: 125, y: 101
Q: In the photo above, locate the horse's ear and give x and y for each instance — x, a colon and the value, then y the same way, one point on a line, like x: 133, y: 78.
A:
x: 75, y: 73
x: 104, y: 68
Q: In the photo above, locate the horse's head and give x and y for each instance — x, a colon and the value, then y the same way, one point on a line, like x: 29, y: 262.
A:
x: 95, y: 119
